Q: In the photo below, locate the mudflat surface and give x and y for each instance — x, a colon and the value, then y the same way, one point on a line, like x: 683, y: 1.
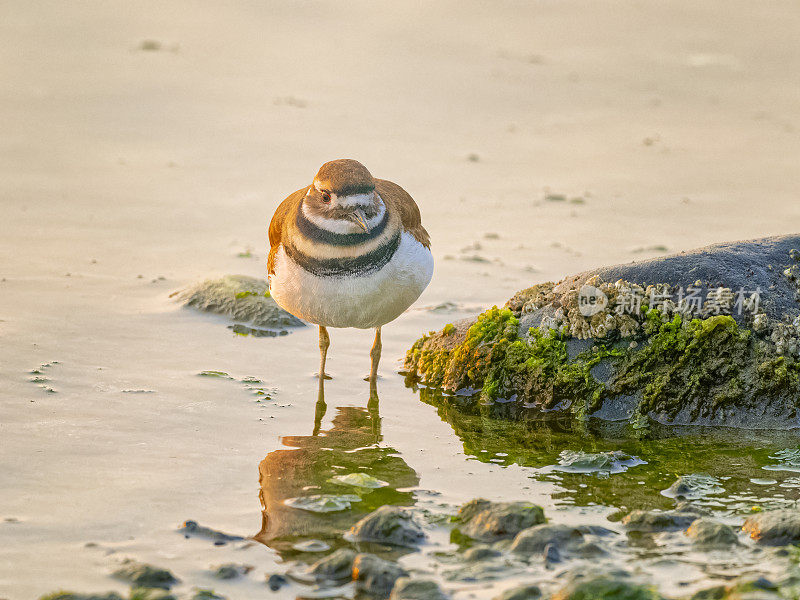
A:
x: 538, y: 139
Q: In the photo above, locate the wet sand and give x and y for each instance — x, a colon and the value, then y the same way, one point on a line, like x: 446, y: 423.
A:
x: 580, y: 133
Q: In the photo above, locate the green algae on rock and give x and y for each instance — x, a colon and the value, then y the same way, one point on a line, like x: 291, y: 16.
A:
x: 63, y: 595
x: 725, y: 359
x: 388, y: 525
x: 148, y: 593
x: 245, y: 300
x: 487, y: 521
x: 523, y: 592
x: 708, y: 533
x: 775, y: 527
x: 605, y: 587
x: 141, y: 575
x: 406, y: 588
x: 375, y: 576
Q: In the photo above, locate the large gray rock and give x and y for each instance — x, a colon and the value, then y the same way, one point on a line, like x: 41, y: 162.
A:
x: 706, y: 337
x: 749, y: 264
x: 245, y: 300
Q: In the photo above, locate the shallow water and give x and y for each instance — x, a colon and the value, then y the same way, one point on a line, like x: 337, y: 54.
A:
x: 128, y: 174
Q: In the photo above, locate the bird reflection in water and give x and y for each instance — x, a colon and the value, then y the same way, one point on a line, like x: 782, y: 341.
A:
x: 309, y: 465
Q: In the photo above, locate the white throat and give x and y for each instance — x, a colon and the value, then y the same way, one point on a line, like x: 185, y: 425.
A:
x: 344, y: 225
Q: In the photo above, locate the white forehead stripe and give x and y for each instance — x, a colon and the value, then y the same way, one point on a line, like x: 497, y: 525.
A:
x: 353, y: 200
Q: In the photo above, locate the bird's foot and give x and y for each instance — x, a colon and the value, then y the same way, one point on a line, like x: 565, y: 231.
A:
x: 324, y: 376
x: 368, y: 377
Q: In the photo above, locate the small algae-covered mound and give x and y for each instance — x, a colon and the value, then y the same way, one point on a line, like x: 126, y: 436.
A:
x: 145, y: 576
x: 388, y: 525
x: 775, y: 527
x: 487, y: 521
x: 605, y: 587
x: 406, y: 588
x: 709, y: 337
x: 245, y: 300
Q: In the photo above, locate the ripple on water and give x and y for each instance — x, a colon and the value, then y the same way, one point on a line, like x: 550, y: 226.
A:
x: 788, y: 460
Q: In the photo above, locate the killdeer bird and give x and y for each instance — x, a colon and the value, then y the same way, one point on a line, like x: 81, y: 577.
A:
x: 348, y: 251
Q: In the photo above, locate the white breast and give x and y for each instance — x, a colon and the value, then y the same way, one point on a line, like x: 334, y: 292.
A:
x: 362, y: 301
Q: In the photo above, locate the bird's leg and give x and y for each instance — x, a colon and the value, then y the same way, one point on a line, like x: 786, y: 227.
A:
x: 375, y: 355
x: 324, y: 344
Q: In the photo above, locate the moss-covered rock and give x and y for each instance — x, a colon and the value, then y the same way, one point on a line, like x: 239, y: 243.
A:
x: 487, y: 521
x: 654, y: 520
x: 535, y: 540
x: 743, y: 589
x: 774, y: 527
x: 230, y: 571
x: 407, y: 588
x: 709, y: 534
x: 141, y: 575
x: 643, y: 352
x: 151, y: 593
x: 480, y: 552
x: 204, y: 594
x: 388, y: 525
x: 64, y: 595
x: 245, y: 300
x: 376, y: 576
x: 605, y: 587
x: 334, y: 567
x: 523, y: 592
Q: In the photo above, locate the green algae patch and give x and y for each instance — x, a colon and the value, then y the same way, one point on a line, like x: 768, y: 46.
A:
x: 603, y: 587
x: 685, y: 362
x: 494, y: 360
x: 64, y: 595
x: 672, y: 370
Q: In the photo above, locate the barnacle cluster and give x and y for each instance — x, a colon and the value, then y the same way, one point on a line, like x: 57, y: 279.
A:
x: 786, y: 334
x: 626, y: 306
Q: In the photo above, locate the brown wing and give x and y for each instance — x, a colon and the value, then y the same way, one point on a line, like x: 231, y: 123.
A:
x: 405, y: 205
x: 276, y: 225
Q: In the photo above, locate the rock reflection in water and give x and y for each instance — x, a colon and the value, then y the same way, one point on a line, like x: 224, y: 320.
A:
x: 604, y: 463
x: 310, y: 465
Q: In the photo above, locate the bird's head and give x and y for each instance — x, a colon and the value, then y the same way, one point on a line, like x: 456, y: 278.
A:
x: 342, y: 197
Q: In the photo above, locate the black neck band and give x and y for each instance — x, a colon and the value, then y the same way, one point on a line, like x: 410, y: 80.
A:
x: 346, y: 267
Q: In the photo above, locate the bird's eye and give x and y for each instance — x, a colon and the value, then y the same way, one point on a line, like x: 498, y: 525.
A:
x: 326, y: 197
